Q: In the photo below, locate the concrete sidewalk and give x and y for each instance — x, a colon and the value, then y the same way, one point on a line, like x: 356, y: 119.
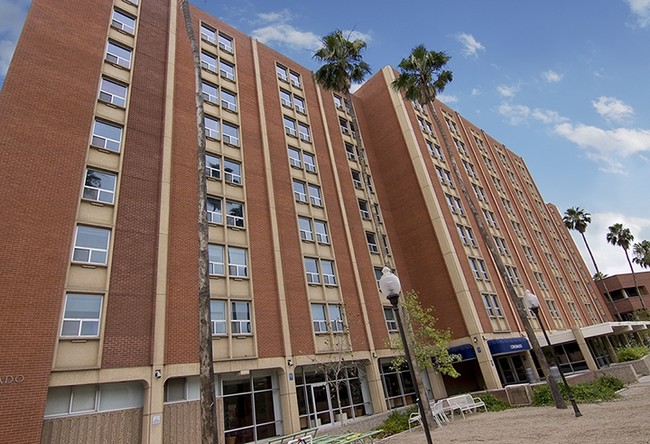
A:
x: 624, y: 420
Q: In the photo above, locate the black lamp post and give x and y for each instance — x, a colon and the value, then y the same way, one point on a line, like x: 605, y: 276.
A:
x: 391, y: 287
x: 533, y: 303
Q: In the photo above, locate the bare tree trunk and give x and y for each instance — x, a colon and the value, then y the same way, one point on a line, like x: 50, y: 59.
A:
x: 206, y: 369
x: 609, y: 297
x: 560, y: 403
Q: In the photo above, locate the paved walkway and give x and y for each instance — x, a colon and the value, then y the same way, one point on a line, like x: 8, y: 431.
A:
x: 624, y: 421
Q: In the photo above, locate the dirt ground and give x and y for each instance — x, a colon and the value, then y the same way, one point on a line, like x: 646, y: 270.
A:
x: 622, y: 421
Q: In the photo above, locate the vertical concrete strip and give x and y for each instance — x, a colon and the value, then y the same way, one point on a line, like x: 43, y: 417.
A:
x: 152, y: 430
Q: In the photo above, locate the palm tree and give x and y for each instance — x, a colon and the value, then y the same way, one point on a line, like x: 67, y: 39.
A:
x: 422, y: 77
x: 641, y: 251
x: 620, y: 236
x: 206, y: 369
x: 599, y: 276
x: 343, y: 65
x: 578, y: 219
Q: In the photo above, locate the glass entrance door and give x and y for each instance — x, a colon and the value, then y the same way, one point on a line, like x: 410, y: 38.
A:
x: 321, y: 404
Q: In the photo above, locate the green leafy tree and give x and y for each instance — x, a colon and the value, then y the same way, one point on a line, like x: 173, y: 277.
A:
x: 578, y: 219
x: 206, y: 369
x: 641, y: 251
x: 621, y: 236
x: 429, y: 343
x: 422, y: 77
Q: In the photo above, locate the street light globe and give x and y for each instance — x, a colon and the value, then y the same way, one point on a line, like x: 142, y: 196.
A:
x: 389, y: 283
x: 532, y: 301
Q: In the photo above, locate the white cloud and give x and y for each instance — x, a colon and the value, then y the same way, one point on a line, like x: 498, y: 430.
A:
x: 547, y: 116
x: 610, y: 258
x: 12, y: 18
x: 447, y: 99
x: 623, y: 142
x: 470, y: 45
x: 613, y: 109
x: 551, y: 76
x: 514, y: 114
x: 287, y: 35
x: 641, y: 9
x: 508, y: 90
x: 476, y: 92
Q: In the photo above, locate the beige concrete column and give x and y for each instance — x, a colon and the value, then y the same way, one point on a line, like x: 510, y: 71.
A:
x: 288, y: 400
x: 373, y: 376
x: 610, y: 349
x: 437, y: 384
x: 584, y: 349
x: 486, y: 364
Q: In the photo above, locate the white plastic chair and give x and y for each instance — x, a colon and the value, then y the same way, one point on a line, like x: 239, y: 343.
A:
x: 413, y: 418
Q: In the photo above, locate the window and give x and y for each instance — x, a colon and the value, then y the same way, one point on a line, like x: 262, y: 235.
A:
x: 391, y: 323
x: 306, y: 232
x: 216, y: 265
x: 230, y: 134
x: 215, y: 213
x: 552, y: 309
x: 295, y: 79
x: 208, y: 34
x: 81, y: 315
x: 232, y: 171
x: 350, y: 151
x: 455, y: 205
x: 227, y: 70
x: 490, y: 219
x: 318, y: 317
x: 336, y: 319
x: 513, y: 275
x: 384, y: 240
x: 363, y: 209
x: 213, y: 166
x: 327, y: 267
x: 208, y: 61
x: 299, y: 104
x: 310, y: 162
x: 225, y: 43
x: 285, y: 98
x: 107, y: 136
x: 289, y: 126
x: 218, y: 317
x: 356, y: 179
x: 502, y: 248
x: 295, y: 158
x: 112, y: 92
x: 91, y: 245
x: 338, y: 102
x: 237, y: 262
x: 229, y: 100
x: 210, y: 92
x: 282, y: 72
x: 99, y: 186
x: 466, y: 235
x: 71, y: 400
x: 300, y: 191
x: 123, y: 22
x: 304, y: 132
x: 311, y: 270
x: 315, y: 196
x: 234, y: 214
x: 321, y: 232
x: 240, y: 322
x: 371, y: 239
x: 326, y: 318
x: 211, y: 127
x: 118, y: 55
x: 479, y: 269
x: 492, y: 305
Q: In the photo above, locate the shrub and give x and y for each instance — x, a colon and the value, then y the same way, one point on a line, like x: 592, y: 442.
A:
x: 631, y: 353
x: 494, y: 403
x: 601, y: 389
x: 396, y: 422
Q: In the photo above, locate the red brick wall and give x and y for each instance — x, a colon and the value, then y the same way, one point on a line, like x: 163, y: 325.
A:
x: 43, y: 143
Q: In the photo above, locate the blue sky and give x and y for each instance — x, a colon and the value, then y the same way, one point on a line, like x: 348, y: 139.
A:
x: 562, y: 83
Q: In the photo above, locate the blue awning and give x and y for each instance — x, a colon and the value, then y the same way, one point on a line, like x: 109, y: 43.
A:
x: 466, y: 351
x: 509, y: 345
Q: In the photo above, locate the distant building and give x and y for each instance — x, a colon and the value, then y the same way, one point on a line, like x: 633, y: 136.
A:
x: 623, y: 296
x: 98, y: 265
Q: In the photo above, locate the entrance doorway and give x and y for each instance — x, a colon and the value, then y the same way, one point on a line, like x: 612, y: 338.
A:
x: 511, y: 369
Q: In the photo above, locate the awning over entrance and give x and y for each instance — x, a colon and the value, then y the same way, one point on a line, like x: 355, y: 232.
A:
x: 466, y: 351
x: 509, y: 345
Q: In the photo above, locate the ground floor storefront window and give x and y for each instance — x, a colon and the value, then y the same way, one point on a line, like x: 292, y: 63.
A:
x: 329, y: 394
x: 511, y: 369
x: 399, y: 387
x: 599, y: 351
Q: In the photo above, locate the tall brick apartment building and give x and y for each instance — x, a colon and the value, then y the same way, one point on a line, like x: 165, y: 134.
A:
x: 98, y: 260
